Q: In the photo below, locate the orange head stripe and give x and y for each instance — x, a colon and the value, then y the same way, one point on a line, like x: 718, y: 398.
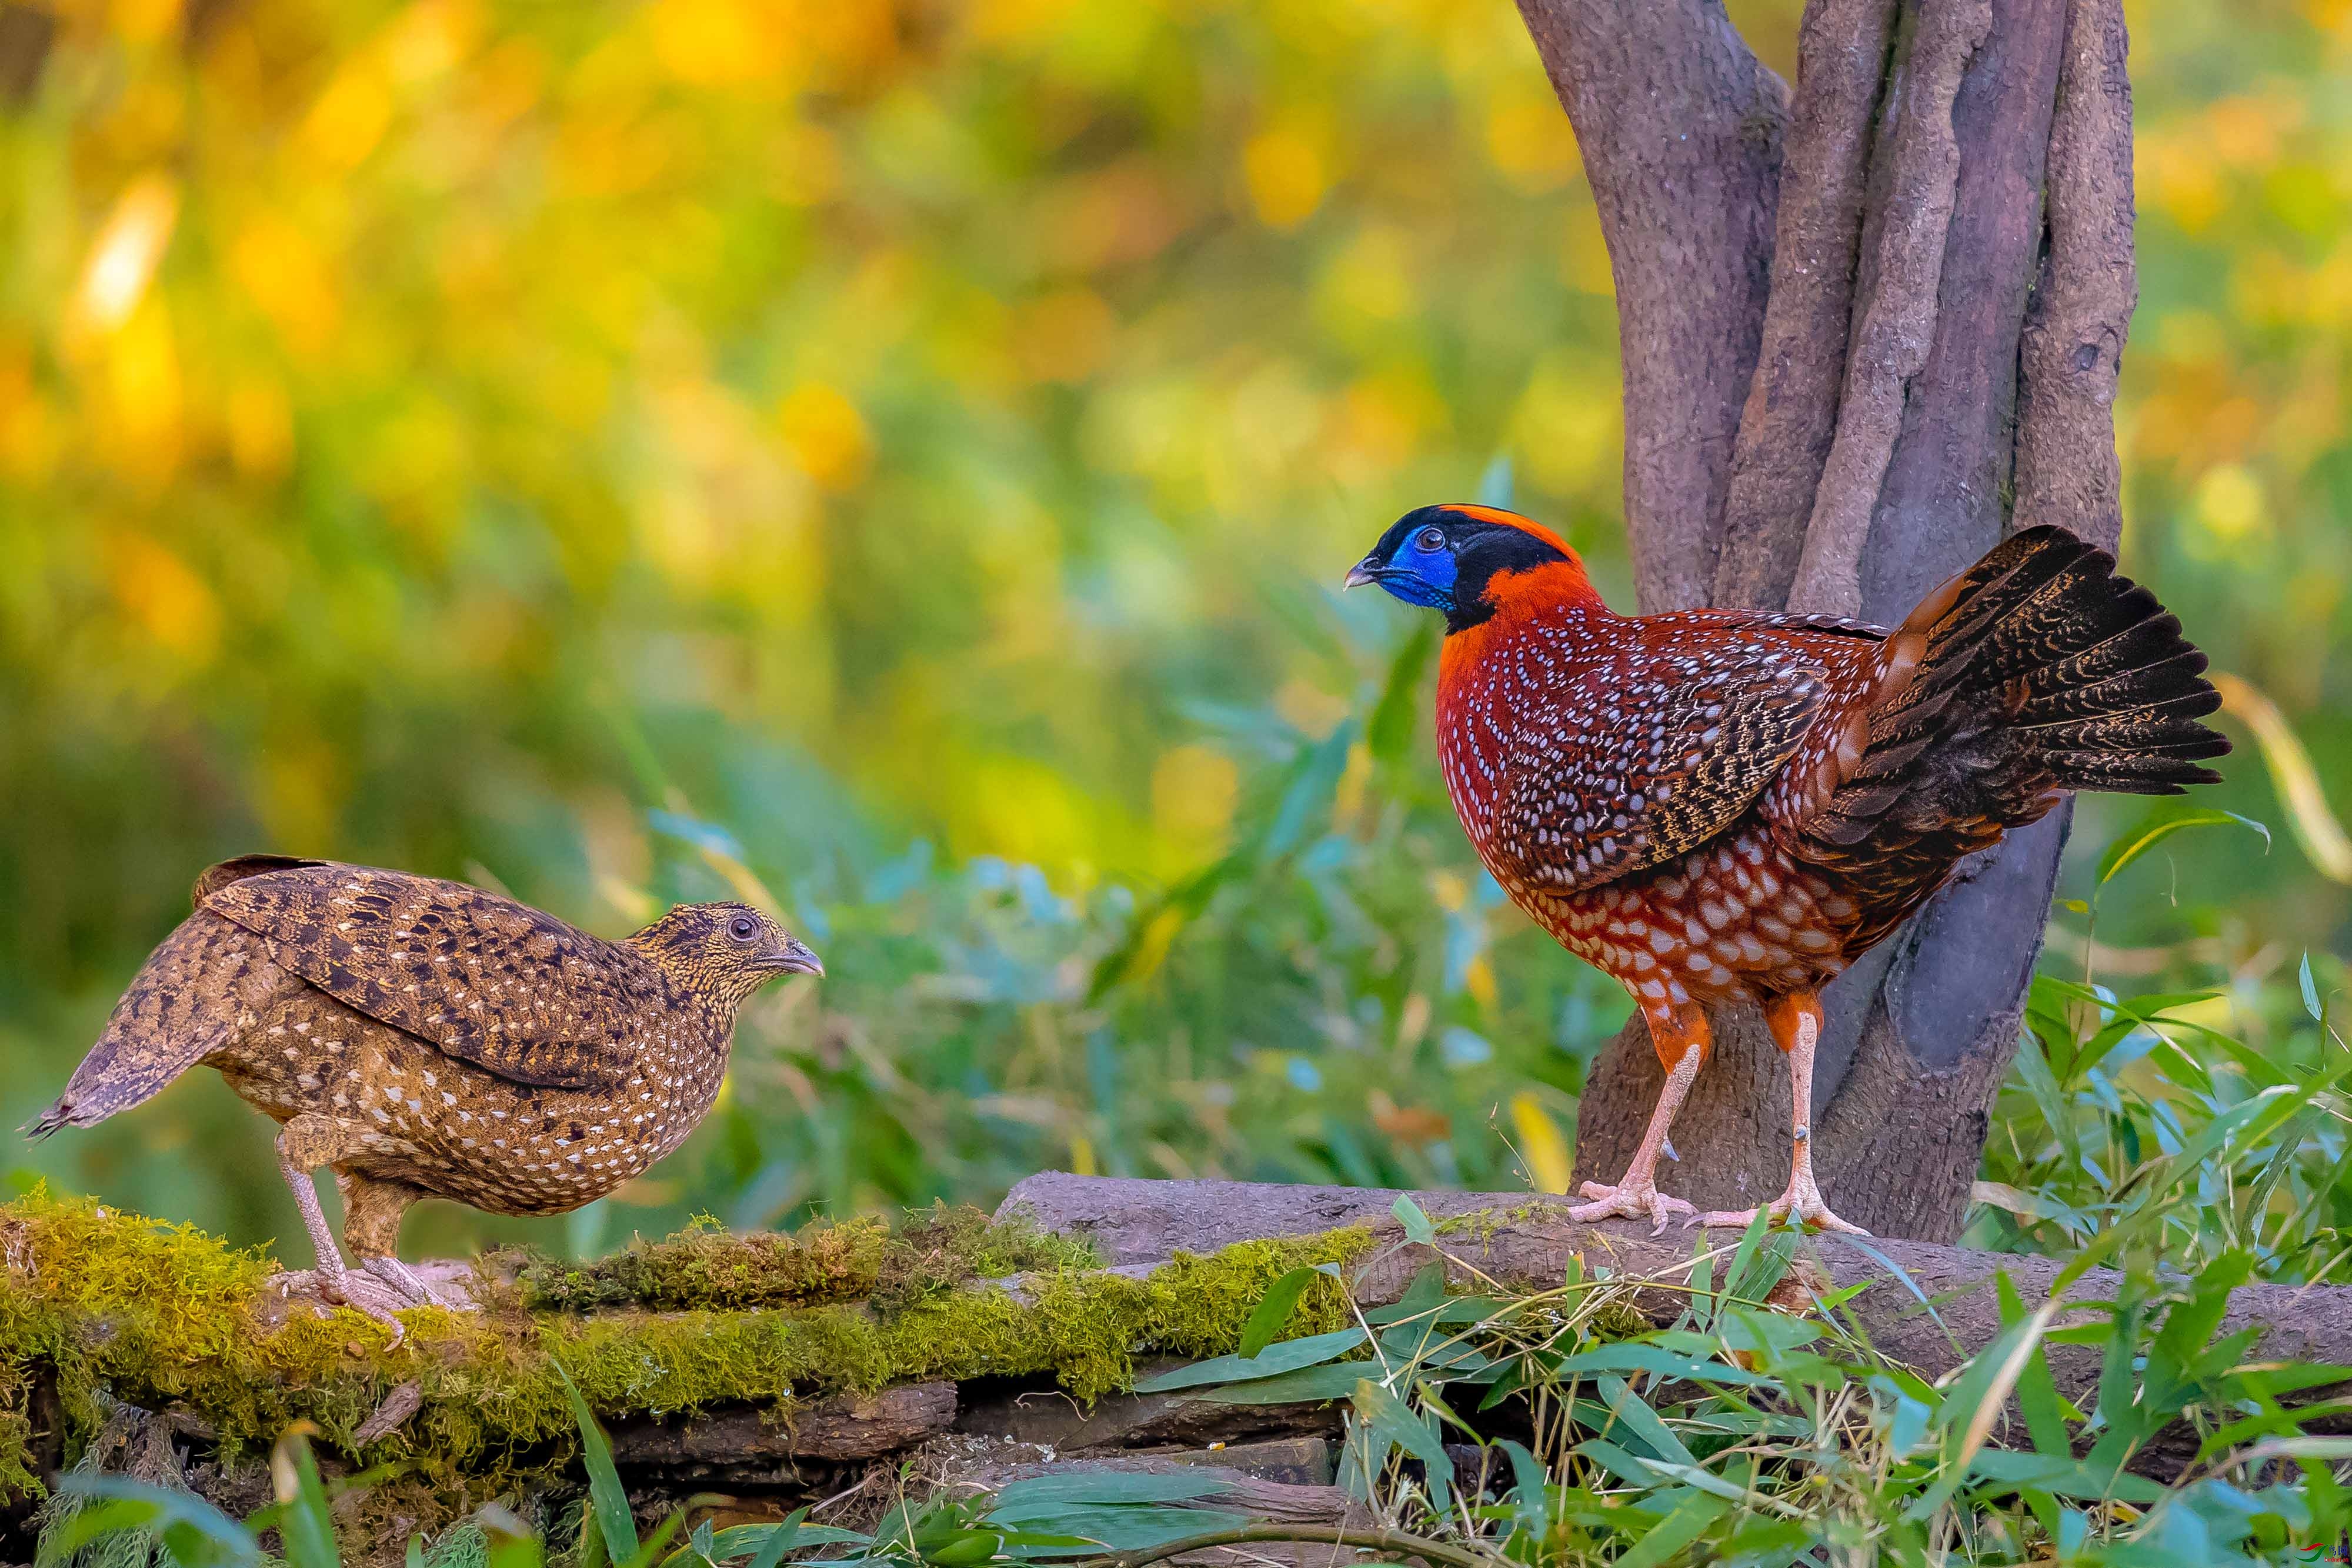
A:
x: 1495, y: 514
x: 1533, y: 589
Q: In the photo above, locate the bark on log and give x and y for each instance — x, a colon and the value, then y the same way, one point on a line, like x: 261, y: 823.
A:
x: 1931, y: 339
x: 844, y: 1427
x: 1051, y: 1419
x: 1527, y: 1244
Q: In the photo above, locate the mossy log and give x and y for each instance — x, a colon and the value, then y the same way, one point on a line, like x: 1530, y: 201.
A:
x: 780, y: 1369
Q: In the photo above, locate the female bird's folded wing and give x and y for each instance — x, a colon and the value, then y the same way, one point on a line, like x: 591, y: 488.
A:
x: 489, y: 981
x: 1650, y: 759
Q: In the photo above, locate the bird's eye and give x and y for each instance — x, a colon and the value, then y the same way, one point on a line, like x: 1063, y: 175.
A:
x: 742, y: 927
x: 1430, y: 538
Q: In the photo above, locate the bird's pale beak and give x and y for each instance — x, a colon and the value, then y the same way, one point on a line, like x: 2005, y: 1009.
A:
x: 795, y: 958
x: 1361, y: 573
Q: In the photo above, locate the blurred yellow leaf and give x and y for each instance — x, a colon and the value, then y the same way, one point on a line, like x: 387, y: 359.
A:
x: 724, y: 43
x: 2229, y: 503
x: 349, y: 118
x: 1287, y: 174
x: 1541, y: 1144
x: 170, y: 601
x: 122, y: 259
x: 1193, y: 790
x: 143, y: 364
x: 259, y: 420
x: 1151, y: 948
x: 1478, y: 979
x: 285, y: 274
x: 827, y: 435
x: 1530, y: 140
x: 2315, y: 826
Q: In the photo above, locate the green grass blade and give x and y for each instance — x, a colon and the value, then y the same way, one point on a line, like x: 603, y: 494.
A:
x: 304, y: 1520
x: 616, y: 1523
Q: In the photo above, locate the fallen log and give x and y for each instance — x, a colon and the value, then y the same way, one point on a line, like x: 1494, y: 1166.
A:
x: 804, y: 1380
x: 1525, y: 1242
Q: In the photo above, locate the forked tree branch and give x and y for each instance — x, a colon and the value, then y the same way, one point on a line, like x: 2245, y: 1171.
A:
x: 1680, y: 130
x: 1791, y: 413
x: 1902, y: 274
x: 2068, y: 470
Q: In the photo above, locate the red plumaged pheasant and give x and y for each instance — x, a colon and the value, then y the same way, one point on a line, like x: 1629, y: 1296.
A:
x: 1714, y: 804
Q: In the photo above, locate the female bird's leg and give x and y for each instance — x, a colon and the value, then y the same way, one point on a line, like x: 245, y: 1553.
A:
x: 1681, y: 1038
x: 304, y: 1144
x: 372, y: 1211
x: 1796, y: 1024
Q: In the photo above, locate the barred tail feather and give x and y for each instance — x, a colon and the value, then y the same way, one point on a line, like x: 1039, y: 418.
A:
x: 2035, y: 672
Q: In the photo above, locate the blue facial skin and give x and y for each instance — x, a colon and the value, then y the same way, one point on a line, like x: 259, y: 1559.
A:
x: 1421, y: 575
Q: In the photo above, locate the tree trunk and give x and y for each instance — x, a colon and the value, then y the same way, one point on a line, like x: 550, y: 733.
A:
x: 1868, y: 329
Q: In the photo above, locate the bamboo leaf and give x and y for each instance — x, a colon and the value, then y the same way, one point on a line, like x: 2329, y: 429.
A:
x: 1685, y: 1524
x: 1417, y: 1226
x: 1288, y: 1356
x: 1281, y: 1299
x: 2131, y: 847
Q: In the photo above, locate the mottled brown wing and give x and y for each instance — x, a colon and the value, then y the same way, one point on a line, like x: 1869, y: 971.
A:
x: 491, y: 982
x: 1647, y: 756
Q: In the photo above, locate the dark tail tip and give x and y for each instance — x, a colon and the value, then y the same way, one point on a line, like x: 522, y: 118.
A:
x: 48, y: 1121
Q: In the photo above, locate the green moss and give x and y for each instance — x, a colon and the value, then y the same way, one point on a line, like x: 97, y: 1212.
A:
x: 707, y: 1266
x: 162, y: 1314
x: 1480, y: 1224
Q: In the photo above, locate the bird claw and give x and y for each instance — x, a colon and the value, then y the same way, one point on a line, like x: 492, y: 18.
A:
x: 365, y: 1293
x: 1628, y: 1202
x: 1813, y: 1212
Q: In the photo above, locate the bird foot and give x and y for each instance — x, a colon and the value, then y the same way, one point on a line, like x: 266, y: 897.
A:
x: 412, y: 1286
x: 366, y: 1293
x: 1806, y: 1208
x: 1630, y: 1200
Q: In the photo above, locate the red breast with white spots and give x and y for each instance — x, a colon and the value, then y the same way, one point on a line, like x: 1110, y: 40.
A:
x: 1621, y: 779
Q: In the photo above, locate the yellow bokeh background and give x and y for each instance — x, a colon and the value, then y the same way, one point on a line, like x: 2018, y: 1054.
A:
x: 442, y: 433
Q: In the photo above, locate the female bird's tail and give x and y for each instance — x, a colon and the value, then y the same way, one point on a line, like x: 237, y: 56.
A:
x: 186, y: 1003
x: 2036, y: 671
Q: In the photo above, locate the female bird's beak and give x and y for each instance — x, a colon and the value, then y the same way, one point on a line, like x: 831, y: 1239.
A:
x: 795, y: 958
x: 1362, y: 571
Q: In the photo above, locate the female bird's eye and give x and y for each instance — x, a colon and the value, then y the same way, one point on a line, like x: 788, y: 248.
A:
x: 1430, y: 538
x: 742, y: 927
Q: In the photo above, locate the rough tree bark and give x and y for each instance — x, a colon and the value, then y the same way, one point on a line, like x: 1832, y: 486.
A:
x: 1868, y: 327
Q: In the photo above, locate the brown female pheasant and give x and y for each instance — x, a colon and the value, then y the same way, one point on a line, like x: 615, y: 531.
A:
x: 429, y: 1039
x: 1713, y: 805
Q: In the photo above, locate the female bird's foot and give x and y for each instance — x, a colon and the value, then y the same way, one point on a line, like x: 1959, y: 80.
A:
x: 1629, y: 1201
x: 365, y: 1293
x: 411, y: 1286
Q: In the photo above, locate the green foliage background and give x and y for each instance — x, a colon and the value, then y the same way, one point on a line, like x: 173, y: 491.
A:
x: 897, y: 459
